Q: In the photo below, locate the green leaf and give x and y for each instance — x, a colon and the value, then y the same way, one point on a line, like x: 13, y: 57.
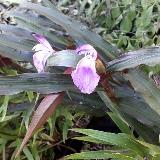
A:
x: 99, y: 155
x: 143, y: 85
x: 146, y: 3
x: 67, y: 121
x: 123, y: 40
x: 91, y: 8
x: 30, y: 95
x: 156, y: 157
x: 109, y: 103
x: 67, y: 124
x: 127, y: 2
x: 122, y: 125
x: 136, y: 112
x: 75, y: 29
x: 15, y: 42
x: 153, y: 149
x: 8, y: 51
x: 28, y: 153
x: 7, y: 136
x: 39, y: 25
x: 7, y: 118
x: 126, y: 24
x: 121, y: 139
x: 148, y: 133
x: 148, y: 56
x: 115, y: 12
x: 26, y: 115
x: 146, y: 17
x: 9, y: 71
x: 15, y: 31
x: 43, y: 83
x: 35, y: 152
x: 4, y: 106
x: 90, y: 139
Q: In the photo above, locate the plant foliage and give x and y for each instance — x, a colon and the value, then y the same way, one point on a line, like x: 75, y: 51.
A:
x: 126, y: 90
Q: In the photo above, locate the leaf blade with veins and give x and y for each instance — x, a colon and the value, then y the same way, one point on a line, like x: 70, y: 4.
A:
x: 148, y: 56
x: 43, y: 112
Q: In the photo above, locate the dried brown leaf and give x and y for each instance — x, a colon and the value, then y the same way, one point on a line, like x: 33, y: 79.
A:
x: 43, y: 112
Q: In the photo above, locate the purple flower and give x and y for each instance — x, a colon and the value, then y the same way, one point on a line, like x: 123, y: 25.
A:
x: 43, y: 51
x: 85, y: 76
x: 87, y: 49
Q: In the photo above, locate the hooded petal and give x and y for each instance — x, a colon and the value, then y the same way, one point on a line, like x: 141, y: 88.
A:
x: 39, y: 47
x: 43, y: 51
x: 39, y: 60
x: 43, y: 41
x: 87, y: 49
x: 85, y: 76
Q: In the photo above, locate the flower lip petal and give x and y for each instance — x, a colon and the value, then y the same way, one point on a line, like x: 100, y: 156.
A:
x: 85, y: 76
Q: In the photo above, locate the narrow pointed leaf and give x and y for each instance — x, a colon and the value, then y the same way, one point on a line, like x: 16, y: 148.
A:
x: 136, y: 112
x: 14, y: 30
x: 43, y: 83
x: 121, y: 139
x: 43, y: 112
x: 122, y: 125
x: 143, y: 85
x: 28, y: 154
x: 36, y: 24
x: 90, y: 139
x: 75, y: 29
x: 8, y: 51
x: 15, y: 42
x: 149, y: 56
x: 99, y: 155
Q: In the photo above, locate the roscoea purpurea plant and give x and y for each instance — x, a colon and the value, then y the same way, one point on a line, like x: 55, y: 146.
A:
x: 74, y: 62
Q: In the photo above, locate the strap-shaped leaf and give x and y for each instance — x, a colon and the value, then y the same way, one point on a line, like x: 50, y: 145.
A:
x: 16, y: 31
x: 43, y: 83
x: 38, y: 24
x: 43, y: 112
x: 149, y: 56
x: 143, y: 85
x: 136, y: 112
x: 121, y: 139
x: 100, y: 155
x: 90, y: 139
x: 15, y: 42
x: 78, y: 31
x: 15, y: 54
